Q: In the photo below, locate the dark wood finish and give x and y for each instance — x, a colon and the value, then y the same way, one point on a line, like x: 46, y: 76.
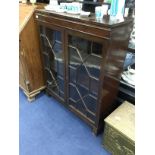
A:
x: 31, y: 78
x: 111, y: 40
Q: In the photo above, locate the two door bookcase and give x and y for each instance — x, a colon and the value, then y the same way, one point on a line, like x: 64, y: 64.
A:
x: 83, y: 60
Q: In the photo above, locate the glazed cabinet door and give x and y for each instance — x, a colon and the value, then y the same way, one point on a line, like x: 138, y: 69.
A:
x: 85, y: 58
x: 53, y: 58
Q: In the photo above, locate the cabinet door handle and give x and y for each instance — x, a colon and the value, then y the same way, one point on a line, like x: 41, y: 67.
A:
x: 28, y: 85
x: 22, y: 53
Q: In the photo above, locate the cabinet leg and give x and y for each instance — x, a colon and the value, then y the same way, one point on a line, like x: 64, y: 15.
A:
x: 95, y: 131
x: 31, y: 95
x: 47, y: 92
x: 31, y: 99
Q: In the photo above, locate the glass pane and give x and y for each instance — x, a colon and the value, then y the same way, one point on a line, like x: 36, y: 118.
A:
x: 53, y: 60
x: 85, y: 59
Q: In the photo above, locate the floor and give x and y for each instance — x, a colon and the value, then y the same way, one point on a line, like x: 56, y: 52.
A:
x: 48, y: 128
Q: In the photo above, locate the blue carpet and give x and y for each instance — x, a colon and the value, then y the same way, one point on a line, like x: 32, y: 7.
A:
x: 48, y: 128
